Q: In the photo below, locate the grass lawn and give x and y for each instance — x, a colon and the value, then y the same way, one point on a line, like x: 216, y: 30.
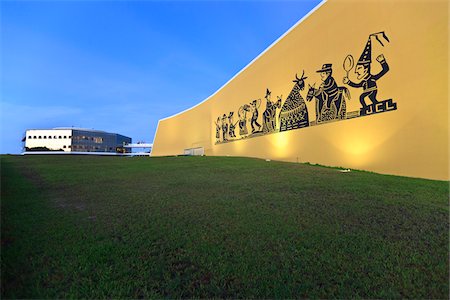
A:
x: 98, y: 227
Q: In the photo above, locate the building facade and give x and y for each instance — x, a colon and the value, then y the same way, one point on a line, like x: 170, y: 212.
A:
x: 355, y: 84
x: 74, y: 140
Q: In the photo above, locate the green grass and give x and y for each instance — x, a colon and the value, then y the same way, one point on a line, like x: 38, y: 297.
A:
x: 181, y: 227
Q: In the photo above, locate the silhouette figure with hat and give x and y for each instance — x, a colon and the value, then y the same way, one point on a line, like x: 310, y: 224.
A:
x: 328, y: 86
x: 232, y: 126
x: 330, y: 103
x: 254, y: 120
x: 224, y: 128
x: 217, y: 129
x: 242, y: 113
x: 368, y: 81
x: 269, y: 115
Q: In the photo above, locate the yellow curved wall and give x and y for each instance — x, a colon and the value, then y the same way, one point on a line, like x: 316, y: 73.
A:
x: 411, y: 141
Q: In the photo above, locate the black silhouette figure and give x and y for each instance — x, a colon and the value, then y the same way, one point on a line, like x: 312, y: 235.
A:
x: 320, y: 100
x: 368, y: 81
x: 232, y: 126
x: 224, y: 128
x: 294, y: 113
x: 242, y: 113
x: 217, y: 129
x: 269, y: 115
x: 330, y: 101
x: 254, y: 120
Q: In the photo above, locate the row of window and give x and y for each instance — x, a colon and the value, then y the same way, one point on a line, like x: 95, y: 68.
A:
x: 49, y: 137
x: 85, y: 147
x: 89, y: 147
x: 97, y: 140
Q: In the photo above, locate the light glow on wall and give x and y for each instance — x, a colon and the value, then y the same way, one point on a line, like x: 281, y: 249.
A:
x: 280, y: 144
x: 360, y: 149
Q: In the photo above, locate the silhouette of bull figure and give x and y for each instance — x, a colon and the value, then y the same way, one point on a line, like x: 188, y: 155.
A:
x: 294, y: 113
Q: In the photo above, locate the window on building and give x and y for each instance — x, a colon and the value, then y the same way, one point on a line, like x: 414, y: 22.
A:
x: 40, y: 137
x: 98, y: 140
x: 49, y: 136
x: 45, y: 136
x: 60, y: 136
x: 64, y: 146
x: 69, y: 146
x: 34, y: 136
x: 70, y: 136
x: 29, y: 136
x: 65, y: 136
x: 55, y: 137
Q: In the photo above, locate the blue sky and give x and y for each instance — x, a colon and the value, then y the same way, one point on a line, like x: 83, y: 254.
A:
x: 120, y: 66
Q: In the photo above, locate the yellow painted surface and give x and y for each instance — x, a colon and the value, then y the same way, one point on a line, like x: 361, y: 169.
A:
x: 410, y: 141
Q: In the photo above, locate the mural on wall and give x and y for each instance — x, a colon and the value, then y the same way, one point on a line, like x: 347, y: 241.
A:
x: 269, y: 115
x: 224, y: 128
x: 294, y: 113
x: 368, y: 81
x: 242, y: 114
x: 254, y: 105
x: 217, y: 130
x: 232, y: 125
x: 330, y: 99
